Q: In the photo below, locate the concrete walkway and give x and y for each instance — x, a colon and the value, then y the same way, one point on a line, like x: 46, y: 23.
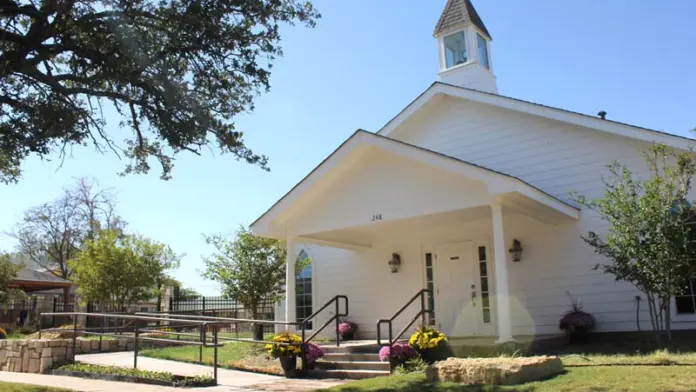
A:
x: 228, y: 380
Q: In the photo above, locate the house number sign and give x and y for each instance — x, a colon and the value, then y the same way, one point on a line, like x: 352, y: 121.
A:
x: 376, y: 217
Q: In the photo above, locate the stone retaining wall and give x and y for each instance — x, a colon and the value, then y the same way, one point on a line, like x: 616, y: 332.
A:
x: 40, y: 355
x: 34, y: 356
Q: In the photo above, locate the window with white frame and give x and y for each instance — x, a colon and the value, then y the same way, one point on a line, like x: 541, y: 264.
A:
x: 686, y: 303
x: 430, y: 285
x: 482, y: 51
x: 455, y: 49
x: 303, y: 289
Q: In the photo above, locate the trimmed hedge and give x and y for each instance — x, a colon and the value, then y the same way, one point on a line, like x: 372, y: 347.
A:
x: 133, y: 375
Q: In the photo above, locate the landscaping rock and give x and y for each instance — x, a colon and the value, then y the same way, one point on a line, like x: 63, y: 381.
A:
x: 495, y: 371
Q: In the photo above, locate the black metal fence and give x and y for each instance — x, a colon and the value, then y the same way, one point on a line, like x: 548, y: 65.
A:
x: 225, y: 307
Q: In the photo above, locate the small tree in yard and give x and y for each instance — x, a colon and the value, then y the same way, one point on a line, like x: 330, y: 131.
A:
x: 650, y: 239
x: 8, y: 273
x: 119, y: 270
x: 250, y: 269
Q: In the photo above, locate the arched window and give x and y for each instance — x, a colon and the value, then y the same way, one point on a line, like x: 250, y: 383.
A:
x: 303, y: 289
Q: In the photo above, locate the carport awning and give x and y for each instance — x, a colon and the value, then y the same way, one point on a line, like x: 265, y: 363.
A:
x: 469, y: 185
x: 30, y: 280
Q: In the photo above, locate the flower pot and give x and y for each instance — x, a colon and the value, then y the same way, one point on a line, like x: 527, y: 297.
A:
x: 347, y: 335
x: 289, y: 365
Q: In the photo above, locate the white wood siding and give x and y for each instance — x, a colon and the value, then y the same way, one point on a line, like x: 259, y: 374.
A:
x: 559, y: 159
x: 391, y: 186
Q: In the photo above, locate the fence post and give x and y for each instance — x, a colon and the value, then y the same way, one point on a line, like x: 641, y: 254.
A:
x: 55, y: 307
x: 171, y: 304
x: 200, y: 348
x: 215, y: 353
x: 74, y: 335
x: 203, y: 311
x: 135, y: 347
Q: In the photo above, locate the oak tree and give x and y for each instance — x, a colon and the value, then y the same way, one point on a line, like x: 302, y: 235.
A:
x: 176, y: 73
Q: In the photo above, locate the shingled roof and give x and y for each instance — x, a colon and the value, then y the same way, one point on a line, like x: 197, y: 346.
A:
x: 458, y: 12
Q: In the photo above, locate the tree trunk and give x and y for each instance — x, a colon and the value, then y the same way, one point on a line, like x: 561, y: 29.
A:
x: 258, y: 327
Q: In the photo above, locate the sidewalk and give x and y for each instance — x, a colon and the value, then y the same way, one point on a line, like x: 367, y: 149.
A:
x: 228, y: 380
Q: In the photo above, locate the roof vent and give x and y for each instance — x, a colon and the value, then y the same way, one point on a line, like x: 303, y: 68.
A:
x: 602, y: 115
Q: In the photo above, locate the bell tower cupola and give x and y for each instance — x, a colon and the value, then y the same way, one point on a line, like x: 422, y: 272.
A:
x: 464, y: 47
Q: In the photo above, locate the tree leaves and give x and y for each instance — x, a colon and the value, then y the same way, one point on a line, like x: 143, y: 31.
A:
x: 118, y: 270
x: 177, y: 73
x: 250, y: 269
x: 650, y: 241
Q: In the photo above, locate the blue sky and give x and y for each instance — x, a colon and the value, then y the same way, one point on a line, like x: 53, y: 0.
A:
x: 364, y: 62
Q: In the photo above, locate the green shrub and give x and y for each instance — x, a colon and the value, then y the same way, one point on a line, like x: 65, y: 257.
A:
x: 28, y: 329
x: 416, y: 365
x: 201, y: 380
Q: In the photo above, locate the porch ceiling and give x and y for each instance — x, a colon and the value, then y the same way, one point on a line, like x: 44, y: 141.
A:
x: 371, y: 182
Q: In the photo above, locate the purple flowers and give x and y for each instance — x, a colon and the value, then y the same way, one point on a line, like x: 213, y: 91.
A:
x: 347, y: 329
x: 313, y: 352
x: 402, y: 353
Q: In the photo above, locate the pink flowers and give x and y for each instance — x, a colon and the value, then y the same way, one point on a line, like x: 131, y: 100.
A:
x: 313, y: 352
x: 402, y: 353
x: 347, y: 329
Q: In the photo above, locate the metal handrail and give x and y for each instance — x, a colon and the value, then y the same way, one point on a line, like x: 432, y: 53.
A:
x: 335, y: 317
x: 390, y: 321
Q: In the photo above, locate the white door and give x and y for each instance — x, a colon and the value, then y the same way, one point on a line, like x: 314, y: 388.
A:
x: 462, y: 289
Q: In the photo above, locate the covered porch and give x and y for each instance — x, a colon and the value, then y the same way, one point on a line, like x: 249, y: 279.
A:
x: 444, y: 224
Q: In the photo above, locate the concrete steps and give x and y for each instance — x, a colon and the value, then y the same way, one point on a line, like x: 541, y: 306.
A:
x: 350, y: 362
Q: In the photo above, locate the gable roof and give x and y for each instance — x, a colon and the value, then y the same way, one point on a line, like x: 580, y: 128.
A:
x: 550, y: 112
x: 30, y: 275
x: 477, y: 172
x: 458, y: 12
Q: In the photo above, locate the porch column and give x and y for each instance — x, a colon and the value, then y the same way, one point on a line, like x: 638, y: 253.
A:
x: 501, y: 276
x: 290, y: 283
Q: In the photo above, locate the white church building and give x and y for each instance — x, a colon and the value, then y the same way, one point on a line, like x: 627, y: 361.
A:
x: 465, y: 192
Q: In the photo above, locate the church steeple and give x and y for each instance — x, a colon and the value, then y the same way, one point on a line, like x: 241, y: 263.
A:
x: 464, y: 48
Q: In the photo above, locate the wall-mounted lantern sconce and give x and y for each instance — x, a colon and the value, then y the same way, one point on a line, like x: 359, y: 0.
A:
x: 516, y: 250
x: 395, y: 263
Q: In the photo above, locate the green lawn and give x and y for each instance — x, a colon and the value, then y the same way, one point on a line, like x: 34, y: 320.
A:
x: 578, y: 379
x: 230, y: 352
x: 12, y: 387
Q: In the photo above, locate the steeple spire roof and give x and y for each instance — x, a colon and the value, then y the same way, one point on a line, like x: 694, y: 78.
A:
x: 459, y: 12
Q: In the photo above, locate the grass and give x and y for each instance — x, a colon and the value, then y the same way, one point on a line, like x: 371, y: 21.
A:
x: 235, y: 355
x: 582, y: 379
x: 12, y: 387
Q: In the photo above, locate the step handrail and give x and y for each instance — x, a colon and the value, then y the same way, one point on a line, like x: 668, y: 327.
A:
x: 335, y: 318
x: 390, y: 321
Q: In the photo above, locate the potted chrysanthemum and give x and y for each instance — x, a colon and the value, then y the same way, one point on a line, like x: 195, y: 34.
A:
x: 286, y: 347
x: 398, y: 354
x: 312, y: 354
x: 347, y: 329
x: 430, y: 344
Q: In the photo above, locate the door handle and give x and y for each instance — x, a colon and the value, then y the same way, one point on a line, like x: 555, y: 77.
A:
x: 473, y: 294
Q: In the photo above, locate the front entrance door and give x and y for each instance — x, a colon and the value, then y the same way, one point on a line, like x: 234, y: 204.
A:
x: 459, y: 306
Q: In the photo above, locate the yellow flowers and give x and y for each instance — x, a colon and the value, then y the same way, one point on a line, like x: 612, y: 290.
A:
x: 427, y: 338
x: 279, y: 349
